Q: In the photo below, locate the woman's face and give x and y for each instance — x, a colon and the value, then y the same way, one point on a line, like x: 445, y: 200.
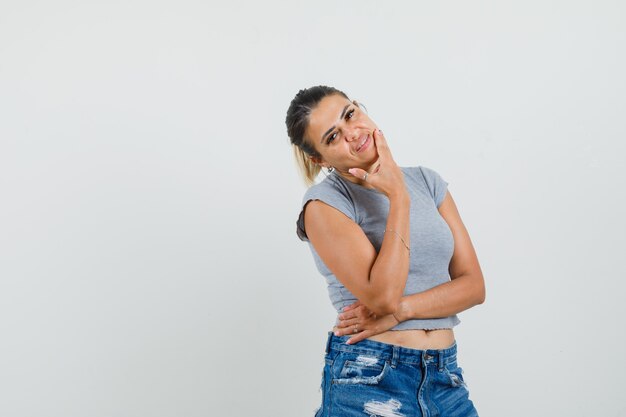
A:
x: 342, y: 133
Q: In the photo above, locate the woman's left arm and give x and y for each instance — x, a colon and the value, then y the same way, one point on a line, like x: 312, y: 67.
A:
x: 467, y: 286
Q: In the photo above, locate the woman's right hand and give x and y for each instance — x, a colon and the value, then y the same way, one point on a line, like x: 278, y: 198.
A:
x: 386, y: 177
x: 358, y: 321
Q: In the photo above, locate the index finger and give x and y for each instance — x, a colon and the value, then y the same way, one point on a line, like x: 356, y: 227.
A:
x: 381, y: 144
x: 358, y: 337
x: 353, y: 305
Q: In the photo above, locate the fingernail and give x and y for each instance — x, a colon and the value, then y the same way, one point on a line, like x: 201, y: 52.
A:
x: 336, y: 333
x: 349, y: 341
x: 351, y: 171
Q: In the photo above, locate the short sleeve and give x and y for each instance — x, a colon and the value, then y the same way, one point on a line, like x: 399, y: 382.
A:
x: 330, y: 196
x: 436, y: 185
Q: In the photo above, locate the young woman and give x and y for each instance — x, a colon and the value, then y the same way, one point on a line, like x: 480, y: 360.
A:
x: 398, y: 261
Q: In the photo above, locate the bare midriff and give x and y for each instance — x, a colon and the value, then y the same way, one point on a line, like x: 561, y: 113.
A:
x: 417, y: 339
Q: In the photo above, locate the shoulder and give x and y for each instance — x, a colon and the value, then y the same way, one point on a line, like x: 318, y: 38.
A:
x: 427, y: 174
x: 430, y: 179
x: 421, y: 172
x: 329, y: 187
x: 333, y: 193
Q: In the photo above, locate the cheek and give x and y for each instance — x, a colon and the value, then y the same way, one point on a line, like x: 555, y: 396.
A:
x: 366, y: 123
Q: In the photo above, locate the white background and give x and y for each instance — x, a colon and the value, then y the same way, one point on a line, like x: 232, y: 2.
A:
x: 149, y: 264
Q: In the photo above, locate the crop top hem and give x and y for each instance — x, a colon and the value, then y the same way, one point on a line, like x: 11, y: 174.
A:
x: 425, y: 324
x: 428, y: 324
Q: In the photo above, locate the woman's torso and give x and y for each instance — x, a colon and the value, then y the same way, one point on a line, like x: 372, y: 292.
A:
x: 432, y: 246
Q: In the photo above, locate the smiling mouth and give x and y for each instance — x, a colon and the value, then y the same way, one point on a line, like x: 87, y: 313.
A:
x: 363, y: 142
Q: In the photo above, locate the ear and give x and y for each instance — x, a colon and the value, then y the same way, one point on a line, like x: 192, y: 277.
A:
x: 319, y: 161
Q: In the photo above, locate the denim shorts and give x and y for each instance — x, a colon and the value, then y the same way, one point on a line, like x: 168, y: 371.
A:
x: 372, y: 378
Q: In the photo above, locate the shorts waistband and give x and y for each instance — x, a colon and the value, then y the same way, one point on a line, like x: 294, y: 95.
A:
x: 393, y: 353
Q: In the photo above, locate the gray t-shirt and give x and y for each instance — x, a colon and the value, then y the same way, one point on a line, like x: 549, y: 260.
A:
x: 432, y: 243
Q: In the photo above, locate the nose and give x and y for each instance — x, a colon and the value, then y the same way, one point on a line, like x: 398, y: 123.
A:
x: 352, y: 135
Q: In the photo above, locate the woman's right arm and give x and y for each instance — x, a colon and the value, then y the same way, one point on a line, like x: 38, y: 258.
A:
x: 376, y: 279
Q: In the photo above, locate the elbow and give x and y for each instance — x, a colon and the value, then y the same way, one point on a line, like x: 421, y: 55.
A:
x: 481, y: 292
x: 385, y: 305
x: 481, y: 298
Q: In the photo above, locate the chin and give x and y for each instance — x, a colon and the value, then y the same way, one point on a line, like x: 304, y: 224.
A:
x: 373, y: 159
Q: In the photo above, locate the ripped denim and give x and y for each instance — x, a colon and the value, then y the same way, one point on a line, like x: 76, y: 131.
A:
x: 381, y: 380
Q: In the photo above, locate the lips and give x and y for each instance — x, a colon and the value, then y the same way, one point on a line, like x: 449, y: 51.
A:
x: 364, y: 140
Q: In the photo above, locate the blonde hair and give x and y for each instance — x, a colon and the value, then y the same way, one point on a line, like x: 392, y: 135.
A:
x: 308, y: 169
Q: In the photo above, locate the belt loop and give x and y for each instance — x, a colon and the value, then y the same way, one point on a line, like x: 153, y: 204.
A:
x: 394, y: 356
x: 330, y: 335
x: 441, y: 360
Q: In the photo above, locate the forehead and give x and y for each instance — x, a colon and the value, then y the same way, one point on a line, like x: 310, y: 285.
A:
x: 326, y: 115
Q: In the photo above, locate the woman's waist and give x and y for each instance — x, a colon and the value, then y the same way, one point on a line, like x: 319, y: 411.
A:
x: 417, y: 338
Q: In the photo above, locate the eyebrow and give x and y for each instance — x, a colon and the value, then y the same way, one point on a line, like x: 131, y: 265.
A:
x: 331, y: 129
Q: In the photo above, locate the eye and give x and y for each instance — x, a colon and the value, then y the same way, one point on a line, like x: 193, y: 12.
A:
x: 332, y: 137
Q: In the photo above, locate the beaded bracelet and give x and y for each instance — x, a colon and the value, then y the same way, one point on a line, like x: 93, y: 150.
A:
x: 403, y: 242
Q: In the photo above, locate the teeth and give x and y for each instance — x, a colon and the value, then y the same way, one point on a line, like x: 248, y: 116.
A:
x: 362, y: 143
